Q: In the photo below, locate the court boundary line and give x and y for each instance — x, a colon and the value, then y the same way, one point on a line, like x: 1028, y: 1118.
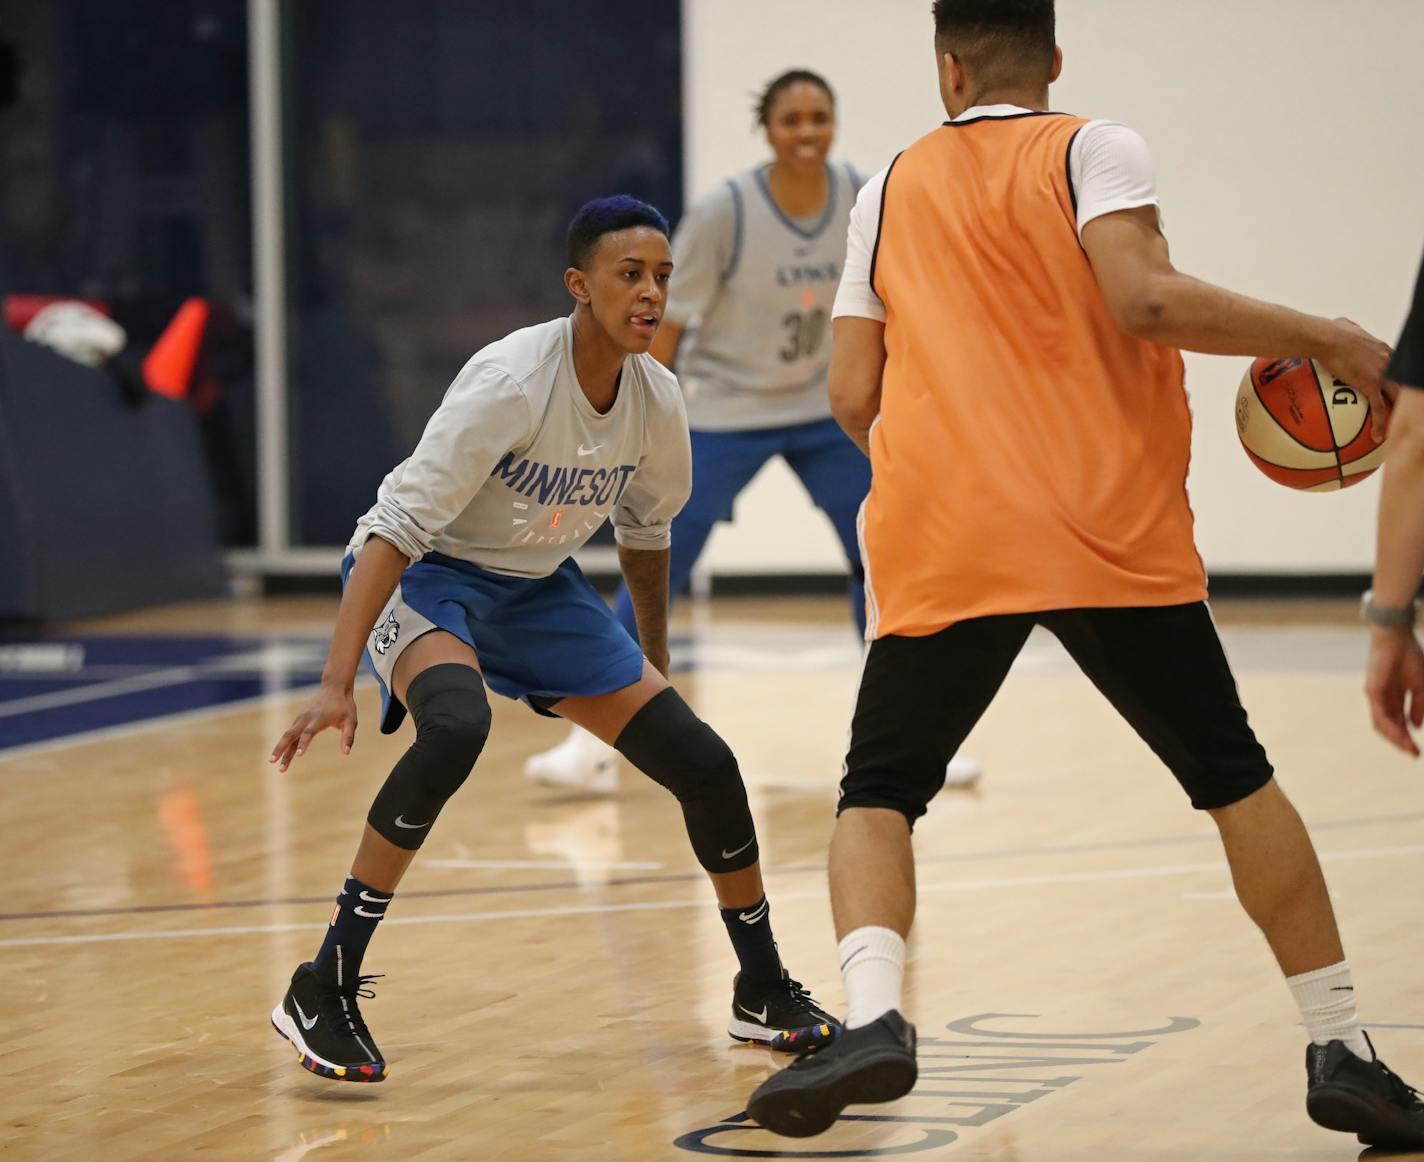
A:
x: 964, y: 886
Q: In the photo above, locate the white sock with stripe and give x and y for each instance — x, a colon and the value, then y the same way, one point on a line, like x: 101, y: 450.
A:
x: 1326, y: 998
x: 873, y: 969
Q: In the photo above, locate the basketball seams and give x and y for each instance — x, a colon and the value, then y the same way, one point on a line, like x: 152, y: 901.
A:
x: 1325, y: 406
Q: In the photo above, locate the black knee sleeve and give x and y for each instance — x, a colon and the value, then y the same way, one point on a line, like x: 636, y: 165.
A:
x: 452, y: 722
x: 672, y: 746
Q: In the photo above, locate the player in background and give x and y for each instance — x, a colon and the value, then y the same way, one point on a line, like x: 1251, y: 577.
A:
x: 748, y: 329
x: 1010, y: 323
x: 464, y: 569
x: 1394, y: 680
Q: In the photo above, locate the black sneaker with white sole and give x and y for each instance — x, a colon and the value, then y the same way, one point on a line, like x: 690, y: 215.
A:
x: 325, y: 1026
x: 874, y: 1063
x: 1365, y: 1098
x: 768, y: 1012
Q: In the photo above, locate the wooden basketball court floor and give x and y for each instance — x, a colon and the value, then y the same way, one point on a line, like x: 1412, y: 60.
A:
x: 557, y: 976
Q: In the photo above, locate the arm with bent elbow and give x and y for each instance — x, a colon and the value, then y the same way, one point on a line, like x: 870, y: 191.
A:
x: 1152, y: 300
x: 857, y: 364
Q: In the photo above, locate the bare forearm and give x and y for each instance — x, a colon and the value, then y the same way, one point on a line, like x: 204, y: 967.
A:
x: 857, y: 427
x: 369, y: 586
x: 1184, y: 312
x: 646, y: 572
x: 1400, y: 554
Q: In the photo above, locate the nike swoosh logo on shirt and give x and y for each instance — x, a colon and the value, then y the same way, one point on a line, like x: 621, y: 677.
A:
x: 400, y: 822
x: 747, y: 844
x: 307, y: 1022
x: 582, y: 451
x: 761, y: 1016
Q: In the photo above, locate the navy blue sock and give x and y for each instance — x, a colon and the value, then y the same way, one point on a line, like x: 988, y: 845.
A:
x: 358, y: 910
x: 750, y: 932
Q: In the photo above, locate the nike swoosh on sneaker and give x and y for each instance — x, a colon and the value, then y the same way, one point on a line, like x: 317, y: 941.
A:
x: 307, y: 1022
x: 582, y: 451
x: 761, y: 1016
x: 400, y: 822
x: 728, y: 854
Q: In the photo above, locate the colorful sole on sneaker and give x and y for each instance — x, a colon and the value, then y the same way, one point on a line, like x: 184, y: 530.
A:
x: 783, y: 1040
x: 805, y: 1040
x: 286, y: 1029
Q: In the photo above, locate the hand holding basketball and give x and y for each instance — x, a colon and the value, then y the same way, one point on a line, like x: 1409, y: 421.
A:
x: 1309, y: 429
x: 1359, y: 359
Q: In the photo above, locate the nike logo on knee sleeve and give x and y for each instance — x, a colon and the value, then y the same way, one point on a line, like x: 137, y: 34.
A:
x: 747, y: 844
x: 400, y: 822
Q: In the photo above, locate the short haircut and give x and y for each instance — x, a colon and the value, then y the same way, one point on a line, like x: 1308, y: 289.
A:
x: 607, y: 216
x: 778, y: 85
x: 998, y: 39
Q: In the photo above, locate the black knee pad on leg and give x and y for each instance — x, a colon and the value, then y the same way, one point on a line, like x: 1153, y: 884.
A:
x: 452, y: 722
x: 672, y: 746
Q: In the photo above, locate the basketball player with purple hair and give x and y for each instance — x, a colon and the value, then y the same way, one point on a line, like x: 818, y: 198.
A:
x: 461, y: 577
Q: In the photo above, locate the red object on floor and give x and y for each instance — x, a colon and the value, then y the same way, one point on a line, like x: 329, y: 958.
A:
x: 168, y: 368
x: 20, y: 309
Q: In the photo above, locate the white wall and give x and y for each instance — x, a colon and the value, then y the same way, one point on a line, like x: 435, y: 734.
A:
x: 1287, y: 135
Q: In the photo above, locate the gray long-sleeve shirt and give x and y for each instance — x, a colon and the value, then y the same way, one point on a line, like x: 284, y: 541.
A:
x: 516, y: 469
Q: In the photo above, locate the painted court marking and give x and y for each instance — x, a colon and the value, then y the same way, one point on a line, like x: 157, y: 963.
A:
x: 1114, y: 874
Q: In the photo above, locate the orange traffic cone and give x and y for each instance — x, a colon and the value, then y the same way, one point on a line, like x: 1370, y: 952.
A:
x: 168, y: 368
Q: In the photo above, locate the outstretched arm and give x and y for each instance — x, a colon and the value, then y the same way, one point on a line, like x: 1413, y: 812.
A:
x: 369, y: 586
x: 646, y: 571
x: 1152, y: 300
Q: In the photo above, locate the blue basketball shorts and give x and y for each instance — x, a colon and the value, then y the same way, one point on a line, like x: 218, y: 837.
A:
x: 540, y: 638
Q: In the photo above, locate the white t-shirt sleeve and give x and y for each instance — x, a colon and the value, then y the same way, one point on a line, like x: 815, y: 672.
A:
x: 1112, y: 170
x: 856, y: 297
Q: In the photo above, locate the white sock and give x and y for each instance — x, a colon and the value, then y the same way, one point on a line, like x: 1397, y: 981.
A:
x: 872, y: 967
x: 1326, y: 998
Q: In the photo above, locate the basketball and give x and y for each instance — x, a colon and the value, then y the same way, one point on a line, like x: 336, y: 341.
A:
x: 1303, y: 427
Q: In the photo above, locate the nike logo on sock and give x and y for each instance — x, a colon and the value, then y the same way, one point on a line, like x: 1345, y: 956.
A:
x: 370, y: 899
x: 307, y: 1022
x: 761, y: 1016
x: 747, y: 844
x: 400, y: 822
x: 360, y: 911
x: 755, y: 914
x: 852, y: 956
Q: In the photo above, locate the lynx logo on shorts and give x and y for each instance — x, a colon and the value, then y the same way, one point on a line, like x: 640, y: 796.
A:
x: 386, y: 633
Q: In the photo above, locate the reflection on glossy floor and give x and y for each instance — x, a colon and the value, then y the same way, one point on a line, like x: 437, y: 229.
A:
x: 557, y: 976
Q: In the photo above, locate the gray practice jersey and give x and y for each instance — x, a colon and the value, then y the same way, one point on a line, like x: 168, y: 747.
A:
x: 516, y: 469
x: 754, y: 289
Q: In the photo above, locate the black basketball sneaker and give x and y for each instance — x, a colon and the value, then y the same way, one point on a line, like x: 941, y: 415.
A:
x: 325, y: 1026
x: 781, y: 1013
x: 1364, y: 1098
x: 874, y: 1063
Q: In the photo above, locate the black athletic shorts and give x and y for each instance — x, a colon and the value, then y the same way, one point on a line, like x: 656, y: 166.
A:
x: 1161, y: 667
